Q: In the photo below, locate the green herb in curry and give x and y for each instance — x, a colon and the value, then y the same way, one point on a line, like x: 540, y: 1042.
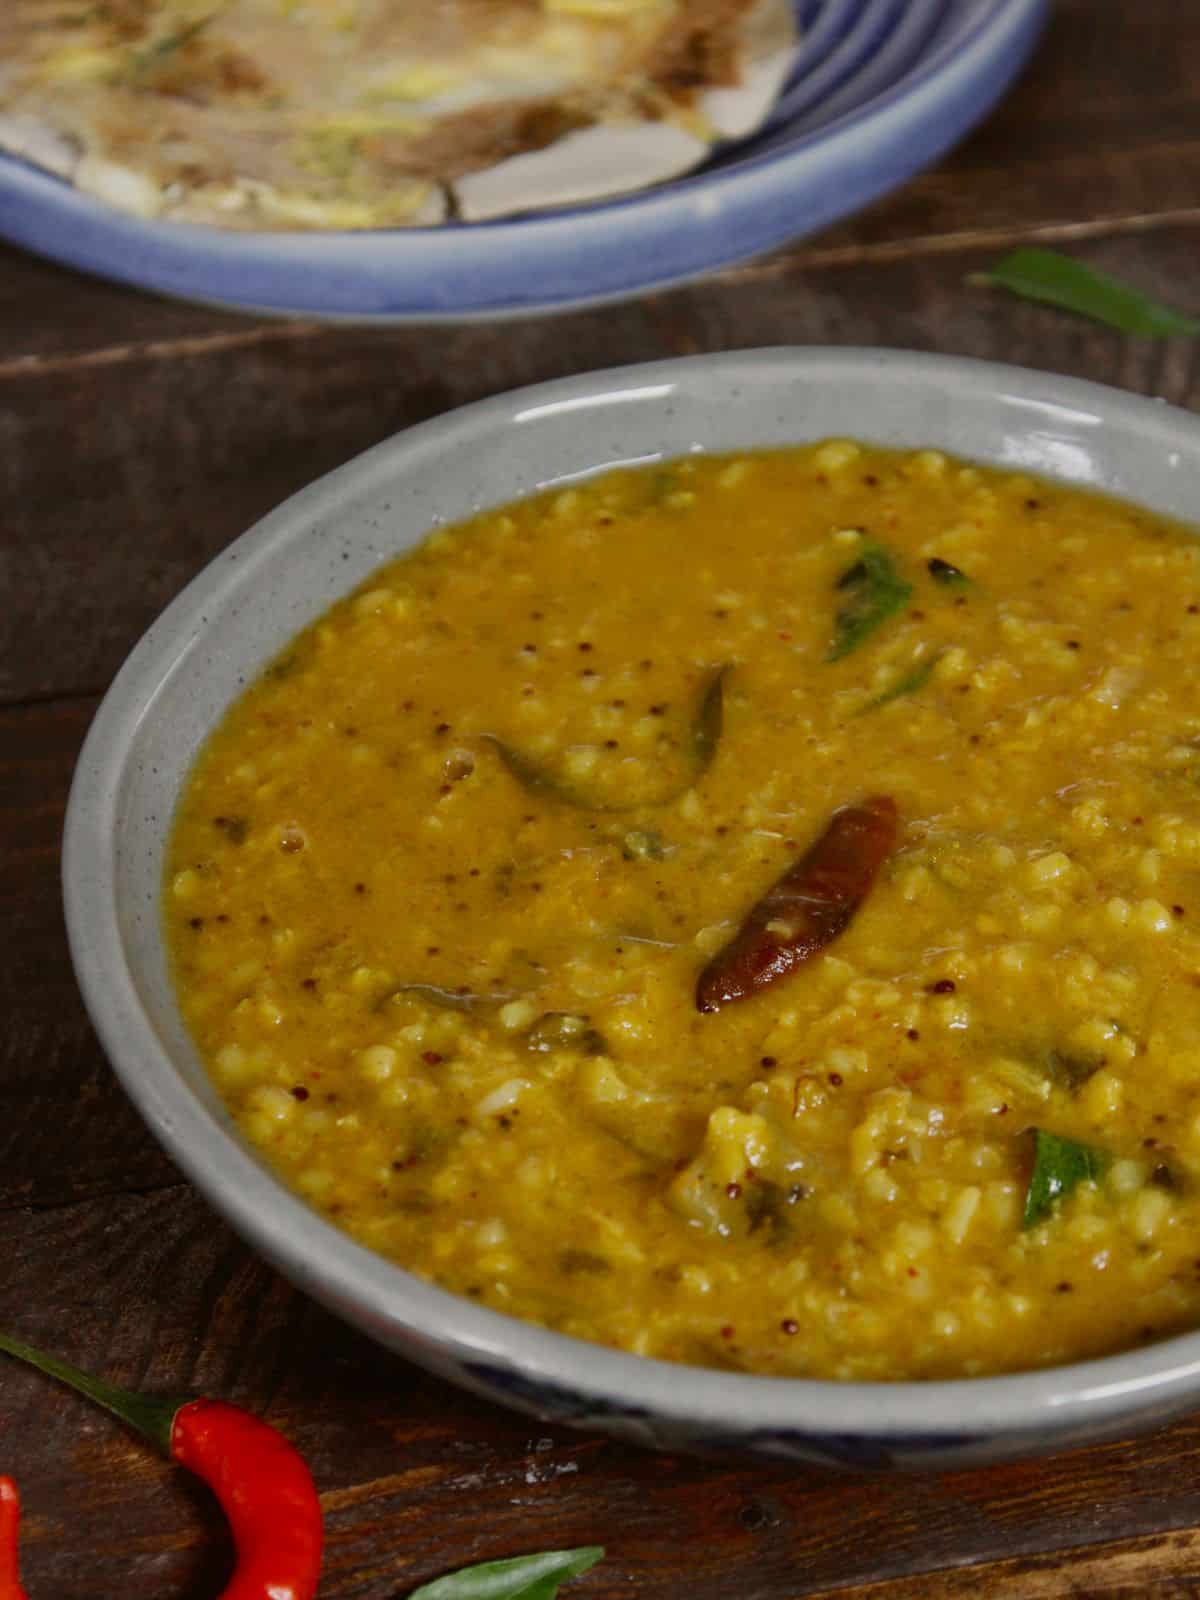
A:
x: 908, y: 683
x: 703, y: 741
x: 643, y: 844
x: 565, y: 1030
x: 449, y: 999
x: 1059, y: 1165
x: 874, y: 590
x: 947, y: 574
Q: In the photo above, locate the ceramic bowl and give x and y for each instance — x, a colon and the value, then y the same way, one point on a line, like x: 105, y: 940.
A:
x: 242, y: 609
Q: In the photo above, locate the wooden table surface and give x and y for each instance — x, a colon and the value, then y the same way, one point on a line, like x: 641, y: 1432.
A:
x: 137, y: 438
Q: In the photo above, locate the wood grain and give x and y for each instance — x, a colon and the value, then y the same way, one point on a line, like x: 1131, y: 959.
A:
x: 1102, y: 127
x: 137, y: 437
x: 1156, y: 1567
x: 66, y: 1129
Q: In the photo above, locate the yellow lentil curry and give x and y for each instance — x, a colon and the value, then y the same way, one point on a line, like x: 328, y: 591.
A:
x: 443, y: 884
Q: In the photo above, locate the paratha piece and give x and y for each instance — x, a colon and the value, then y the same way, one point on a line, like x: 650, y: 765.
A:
x: 299, y: 114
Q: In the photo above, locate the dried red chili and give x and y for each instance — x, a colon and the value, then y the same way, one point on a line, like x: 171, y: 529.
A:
x: 10, y: 1517
x: 260, y: 1480
x: 808, y: 908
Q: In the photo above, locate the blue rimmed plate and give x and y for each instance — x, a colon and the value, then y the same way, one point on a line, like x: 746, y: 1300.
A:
x: 880, y: 88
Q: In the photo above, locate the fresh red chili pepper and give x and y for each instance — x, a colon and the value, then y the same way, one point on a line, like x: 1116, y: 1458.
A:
x: 265, y: 1490
x: 808, y: 908
x: 261, y: 1481
x: 10, y: 1518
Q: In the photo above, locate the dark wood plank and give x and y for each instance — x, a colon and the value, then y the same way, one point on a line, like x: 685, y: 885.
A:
x: 1101, y: 127
x: 66, y: 1129
x: 1160, y: 1566
x: 49, y: 311
x: 1100, y: 131
x: 126, y: 476
x: 417, y: 1478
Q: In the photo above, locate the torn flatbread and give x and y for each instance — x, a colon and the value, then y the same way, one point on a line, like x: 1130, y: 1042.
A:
x: 299, y: 114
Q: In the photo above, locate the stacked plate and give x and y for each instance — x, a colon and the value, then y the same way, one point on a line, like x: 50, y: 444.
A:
x: 879, y: 89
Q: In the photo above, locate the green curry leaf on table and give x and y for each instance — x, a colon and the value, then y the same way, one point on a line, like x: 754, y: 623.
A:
x: 1060, y: 280
x: 535, y: 1577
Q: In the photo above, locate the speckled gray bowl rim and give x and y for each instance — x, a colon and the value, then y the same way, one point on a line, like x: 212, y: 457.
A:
x: 1077, y: 431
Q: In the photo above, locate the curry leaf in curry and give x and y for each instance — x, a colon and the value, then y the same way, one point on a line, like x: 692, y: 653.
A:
x: 449, y: 999
x: 1070, y: 1068
x: 565, y: 1030
x: 535, y: 1577
x: 874, y: 590
x: 703, y: 740
x: 663, y: 484
x: 584, y: 1261
x: 707, y: 727
x: 1059, y: 1165
x: 643, y: 844
x: 947, y: 574
x: 908, y: 683
x: 531, y: 775
x: 1060, y: 280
